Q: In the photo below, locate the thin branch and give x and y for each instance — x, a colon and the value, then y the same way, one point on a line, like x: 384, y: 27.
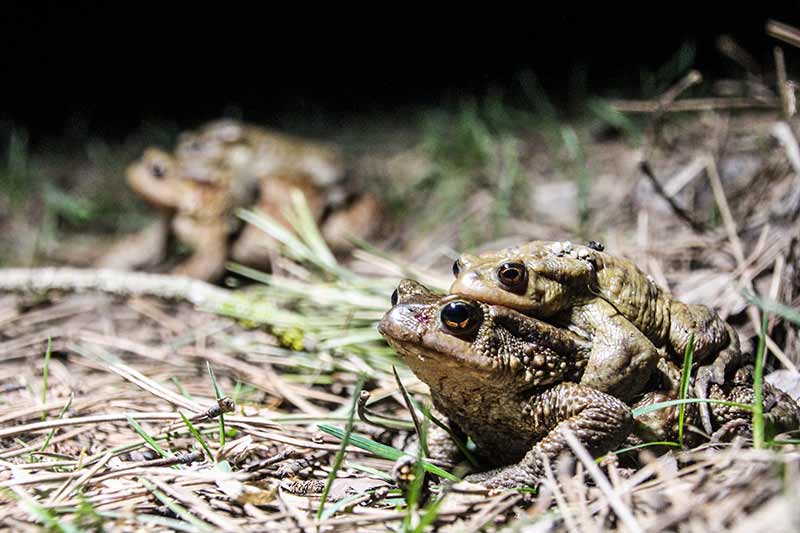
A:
x: 785, y: 87
x: 682, y: 213
x: 39, y: 280
x: 783, y: 32
x: 694, y: 104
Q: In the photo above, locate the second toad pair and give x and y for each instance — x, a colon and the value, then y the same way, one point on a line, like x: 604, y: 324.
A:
x: 226, y: 165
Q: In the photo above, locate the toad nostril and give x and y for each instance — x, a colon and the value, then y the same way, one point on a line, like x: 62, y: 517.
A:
x: 395, y: 297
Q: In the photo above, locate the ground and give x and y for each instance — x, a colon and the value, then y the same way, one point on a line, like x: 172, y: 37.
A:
x: 95, y: 385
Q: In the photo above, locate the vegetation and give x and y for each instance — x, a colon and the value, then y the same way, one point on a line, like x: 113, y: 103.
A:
x: 116, y: 413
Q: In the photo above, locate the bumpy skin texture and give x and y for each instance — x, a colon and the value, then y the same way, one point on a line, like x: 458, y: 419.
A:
x: 627, y: 314
x: 508, y: 381
x: 781, y: 412
x: 225, y: 165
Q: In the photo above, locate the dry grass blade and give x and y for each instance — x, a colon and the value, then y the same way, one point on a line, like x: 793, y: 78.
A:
x: 622, y: 511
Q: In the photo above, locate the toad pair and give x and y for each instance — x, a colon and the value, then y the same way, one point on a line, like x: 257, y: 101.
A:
x: 551, y: 336
x: 226, y: 165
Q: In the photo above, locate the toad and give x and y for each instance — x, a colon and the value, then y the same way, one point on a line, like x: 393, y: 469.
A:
x: 226, y: 165
x: 505, y: 380
x: 623, y: 309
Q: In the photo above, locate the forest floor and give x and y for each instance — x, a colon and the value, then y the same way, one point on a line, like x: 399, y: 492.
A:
x: 109, y: 399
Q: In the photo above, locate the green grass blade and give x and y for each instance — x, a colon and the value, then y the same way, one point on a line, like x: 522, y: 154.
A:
x: 218, y: 395
x: 176, y: 508
x: 770, y: 306
x: 462, y: 447
x: 197, y: 436
x: 305, y: 225
x: 181, y: 390
x: 39, y: 513
x: 384, y: 451
x: 583, y: 179
x: 684, y: 386
x: 337, y: 461
x: 373, y: 472
x: 413, y: 496
x: 423, y: 442
x: 341, y: 504
x: 431, y: 512
x: 783, y: 442
x: 611, y: 116
x: 61, y: 413
x: 758, y: 391
x: 647, y: 445
x: 147, y: 438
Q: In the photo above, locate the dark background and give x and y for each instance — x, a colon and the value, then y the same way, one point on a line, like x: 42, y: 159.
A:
x: 110, y: 68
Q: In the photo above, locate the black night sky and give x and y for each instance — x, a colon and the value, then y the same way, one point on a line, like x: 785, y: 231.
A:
x: 114, y: 67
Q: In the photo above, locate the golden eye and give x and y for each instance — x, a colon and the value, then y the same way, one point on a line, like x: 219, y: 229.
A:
x: 513, y: 276
x: 459, y: 317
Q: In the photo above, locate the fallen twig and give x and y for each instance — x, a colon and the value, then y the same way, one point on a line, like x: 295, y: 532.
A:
x: 785, y: 87
x: 694, y: 104
x: 682, y: 213
x: 38, y: 280
x: 783, y: 32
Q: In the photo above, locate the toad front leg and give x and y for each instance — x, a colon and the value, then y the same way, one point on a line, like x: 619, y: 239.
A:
x: 622, y: 358
x: 599, y: 421
x: 208, y: 240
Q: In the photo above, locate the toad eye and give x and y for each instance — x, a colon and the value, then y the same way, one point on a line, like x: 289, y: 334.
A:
x: 157, y: 170
x: 456, y: 267
x: 459, y: 317
x: 395, y: 297
x: 513, y: 275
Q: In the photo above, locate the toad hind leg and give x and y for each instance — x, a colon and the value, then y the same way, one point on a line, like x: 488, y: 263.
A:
x: 715, y: 372
x: 144, y: 249
x: 599, y: 421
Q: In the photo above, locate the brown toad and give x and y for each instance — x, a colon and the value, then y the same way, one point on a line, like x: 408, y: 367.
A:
x: 226, y: 165
x: 504, y: 379
x: 623, y: 309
